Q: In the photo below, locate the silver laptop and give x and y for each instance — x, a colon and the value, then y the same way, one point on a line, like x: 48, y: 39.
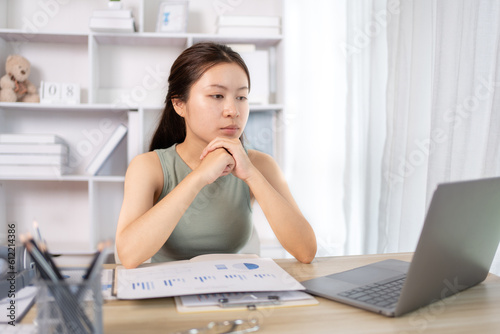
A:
x: 457, y: 245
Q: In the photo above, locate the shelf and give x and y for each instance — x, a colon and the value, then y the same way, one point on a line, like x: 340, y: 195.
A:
x: 74, y: 178
x: 142, y: 39
x: 136, y: 39
x: 181, y: 40
x: 69, y: 107
x: 14, y: 35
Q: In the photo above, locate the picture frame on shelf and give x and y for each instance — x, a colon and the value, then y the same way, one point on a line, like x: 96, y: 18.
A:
x: 173, y: 16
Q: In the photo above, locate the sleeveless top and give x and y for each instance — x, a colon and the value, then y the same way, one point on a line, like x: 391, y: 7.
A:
x: 217, y: 221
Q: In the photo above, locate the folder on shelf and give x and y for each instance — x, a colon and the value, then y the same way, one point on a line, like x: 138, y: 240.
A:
x: 108, y: 148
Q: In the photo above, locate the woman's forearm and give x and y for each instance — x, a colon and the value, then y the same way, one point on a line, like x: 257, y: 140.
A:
x: 287, y: 222
x: 143, y: 237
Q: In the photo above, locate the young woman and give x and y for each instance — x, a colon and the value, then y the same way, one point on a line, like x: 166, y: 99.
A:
x: 192, y: 193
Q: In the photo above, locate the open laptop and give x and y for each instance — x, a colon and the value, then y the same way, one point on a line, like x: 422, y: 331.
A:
x: 457, y: 245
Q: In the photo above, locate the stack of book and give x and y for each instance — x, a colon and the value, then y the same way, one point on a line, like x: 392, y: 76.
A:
x: 249, y: 25
x: 33, y: 155
x: 112, y: 20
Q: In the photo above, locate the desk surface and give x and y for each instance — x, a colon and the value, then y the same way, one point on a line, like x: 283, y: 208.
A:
x: 474, y: 310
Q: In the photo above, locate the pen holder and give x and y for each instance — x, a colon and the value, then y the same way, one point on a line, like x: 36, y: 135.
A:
x: 70, y: 306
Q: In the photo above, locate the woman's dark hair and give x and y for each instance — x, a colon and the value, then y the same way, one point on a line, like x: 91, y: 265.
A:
x: 186, y: 70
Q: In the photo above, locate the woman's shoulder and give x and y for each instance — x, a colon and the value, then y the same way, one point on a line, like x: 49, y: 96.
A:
x: 145, y: 159
x: 145, y: 163
x: 145, y: 169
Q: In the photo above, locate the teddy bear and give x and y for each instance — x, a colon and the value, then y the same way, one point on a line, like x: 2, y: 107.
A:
x: 15, y: 86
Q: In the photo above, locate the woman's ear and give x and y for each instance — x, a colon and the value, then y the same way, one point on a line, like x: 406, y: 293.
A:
x: 179, y: 106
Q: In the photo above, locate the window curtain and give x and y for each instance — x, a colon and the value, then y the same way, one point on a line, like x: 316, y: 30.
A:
x: 365, y: 52
x: 443, y: 102
x: 384, y: 100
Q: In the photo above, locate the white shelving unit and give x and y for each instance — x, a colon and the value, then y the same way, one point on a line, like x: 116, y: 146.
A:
x: 123, y: 80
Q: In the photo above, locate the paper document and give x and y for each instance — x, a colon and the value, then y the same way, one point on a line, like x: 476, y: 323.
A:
x: 201, y: 277
x: 242, y: 300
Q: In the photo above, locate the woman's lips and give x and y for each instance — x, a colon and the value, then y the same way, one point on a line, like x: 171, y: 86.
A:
x: 230, y: 130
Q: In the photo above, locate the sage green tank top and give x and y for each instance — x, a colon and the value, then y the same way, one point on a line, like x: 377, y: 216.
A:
x: 217, y: 221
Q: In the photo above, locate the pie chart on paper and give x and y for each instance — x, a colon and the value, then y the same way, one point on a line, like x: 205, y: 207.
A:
x: 245, y: 266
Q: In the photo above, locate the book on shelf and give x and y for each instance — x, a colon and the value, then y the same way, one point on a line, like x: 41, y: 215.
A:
x: 38, y: 138
x: 112, y: 24
x: 32, y: 148
x: 108, y: 148
x: 27, y: 154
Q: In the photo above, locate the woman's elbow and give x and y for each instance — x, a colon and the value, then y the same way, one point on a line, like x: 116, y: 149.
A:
x: 128, y: 262
x: 125, y: 259
x: 307, y: 256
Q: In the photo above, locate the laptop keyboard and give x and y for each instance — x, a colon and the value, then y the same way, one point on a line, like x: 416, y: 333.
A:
x: 384, y: 294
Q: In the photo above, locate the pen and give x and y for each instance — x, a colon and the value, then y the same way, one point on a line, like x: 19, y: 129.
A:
x: 71, y: 311
x: 42, y: 248
x: 93, y: 269
x: 98, y: 259
x: 37, y: 230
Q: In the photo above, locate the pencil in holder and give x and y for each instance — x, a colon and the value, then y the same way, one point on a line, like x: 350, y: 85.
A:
x: 70, y: 306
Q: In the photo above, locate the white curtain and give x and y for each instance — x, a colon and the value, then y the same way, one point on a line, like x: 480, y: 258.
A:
x: 365, y: 51
x: 443, y: 113
x: 384, y: 100
x: 409, y: 93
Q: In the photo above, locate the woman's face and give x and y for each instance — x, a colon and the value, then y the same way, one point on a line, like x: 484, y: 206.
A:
x: 217, y: 105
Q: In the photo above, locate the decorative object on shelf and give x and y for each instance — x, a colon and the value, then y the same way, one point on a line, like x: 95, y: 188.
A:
x: 173, y: 16
x: 59, y: 93
x: 33, y: 155
x: 112, y: 20
x: 249, y: 25
x: 14, y: 85
x: 108, y: 148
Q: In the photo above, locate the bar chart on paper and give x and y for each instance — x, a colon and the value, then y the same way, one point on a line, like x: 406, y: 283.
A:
x: 187, y: 278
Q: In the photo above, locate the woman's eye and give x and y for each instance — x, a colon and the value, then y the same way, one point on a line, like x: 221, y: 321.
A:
x: 241, y: 98
x: 217, y: 96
